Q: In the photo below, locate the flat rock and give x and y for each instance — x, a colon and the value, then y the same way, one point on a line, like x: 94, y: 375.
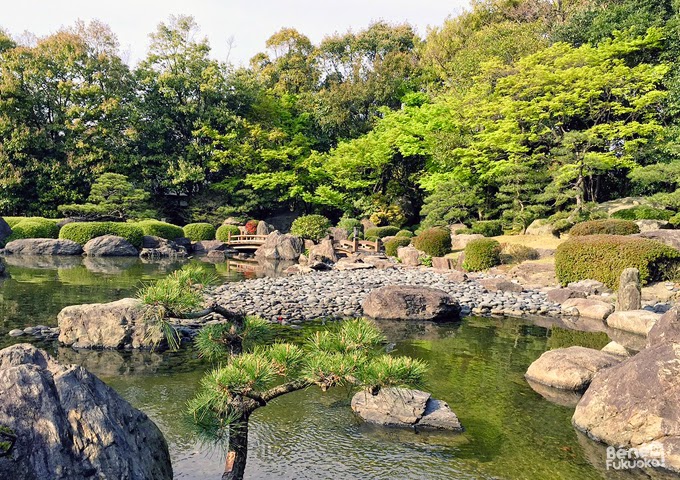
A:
x: 410, y: 303
x: 616, y: 348
x: 43, y: 246
x: 638, y: 322
x: 589, y: 287
x: 110, y: 246
x: 668, y: 237
x: 586, y: 307
x: 651, y: 225
x: 561, y: 295
x: 500, y: 285
x: 571, y: 368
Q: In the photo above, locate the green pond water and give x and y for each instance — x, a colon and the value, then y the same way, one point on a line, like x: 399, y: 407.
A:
x: 476, y: 365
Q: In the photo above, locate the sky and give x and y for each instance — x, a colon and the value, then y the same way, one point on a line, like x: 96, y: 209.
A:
x: 249, y: 23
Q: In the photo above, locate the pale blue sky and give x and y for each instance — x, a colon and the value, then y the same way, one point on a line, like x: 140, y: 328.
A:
x: 249, y: 22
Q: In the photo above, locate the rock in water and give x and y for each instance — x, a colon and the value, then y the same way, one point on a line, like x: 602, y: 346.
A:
x: 110, y: 246
x: 638, y: 322
x: 629, y: 296
x: 70, y: 425
x: 402, y: 407
x: 43, y: 246
x: 5, y: 230
x: 586, y: 307
x: 395, y: 302
x: 281, y: 247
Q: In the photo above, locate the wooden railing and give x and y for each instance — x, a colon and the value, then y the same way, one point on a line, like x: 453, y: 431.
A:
x: 246, y: 239
x: 356, y: 245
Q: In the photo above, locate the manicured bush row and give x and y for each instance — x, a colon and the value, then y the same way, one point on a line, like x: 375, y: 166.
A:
x: 223, y: 232
x: 488, y: 228
x: 435, y: 242
x: 643, y: 212
x: 675, y: 220
x: 375, y: 233
x: 197, y: 232
x: 605, y: 227
x: 313, y: 227
x: 482, y: 254
x: 34, y: 227
x: 393, y: 244
x: 11, y: 221
x: 160, y: 229
x: 83, y: 232
x: 604, y: 257
x: 405, y: 233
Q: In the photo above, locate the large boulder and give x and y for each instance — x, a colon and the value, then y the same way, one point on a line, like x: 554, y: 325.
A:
x: 5, y: 230
x: 110, y: 246
x: 410, y: 303
x: 651, y: 225
x: 561, y: 295
x: 401, y: 407
x: 323, y: 252
x: 666, y: 329
x: 263, y: 228
x: 337, y: 233
x: 204, y: 247
x: 68, y: 424
x: 279, y: 246
x: 586, y: 307
x: 669, y: 237
x: 409, y: 256
x: 571, y: 368
x: 540, y: 226
x: 635, y: 403
x: 589, y: 287
x: 43, y: 246
x: 157, y: 247
x: 459, y: 242
x: 118, y: 325
x: 638, y: 322
x: 629, y: 296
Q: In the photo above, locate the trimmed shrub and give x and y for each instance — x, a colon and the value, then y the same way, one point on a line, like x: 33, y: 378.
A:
x: 393, y: 244
x: 488, y: 228
x: 349, y: 224
x: 34, y: 227
x: 222, y: 233
x: 160, y: 229
x: 375, y: 233
x: 605, y: 227
x: 463, y: 231
x: 11, y: 221
x: 83, y: 232
x: 511, y: 253
x: 251, y: 227
x: 435, y: 242
x: 197, y: 232
x: 643, y: 212
x: 604, y: 257
x: 482, y: 254
x: 675, y: 220
x: 313, y: 227
x: 405, y: 233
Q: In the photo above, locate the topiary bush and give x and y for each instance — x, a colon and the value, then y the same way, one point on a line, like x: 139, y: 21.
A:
x: 223, y: 232
x: 511, y: 253
x: 349, y: 224
x: 34, y: 227
x: 375, y: 233
x: 605, y: 227
x: 197, y: 232
x: 11, y: 221
x: 435, y: 242
x: 393, y: 244
x: 405, y: 233
x: 83, y: 232
x: 251, y: 227
x: 675, y: 220
x: 488, y: 228
x: 313, y: 227
x: 643, y: 212
x: 482, y: 254
x: 157, y: 228
x: 604, y: 257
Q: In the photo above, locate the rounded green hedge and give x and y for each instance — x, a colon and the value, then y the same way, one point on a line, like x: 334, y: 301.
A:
x: 435, y: 242
x: 223, y: 232
x: 488, y: 228
x: 393, y: 244
x: 604, y: 257
x: 482, y: 254
x: 34, y: 227
x: 83, y: 232
x: 160, y: 229
x: 375, y: 233
x: 643, y: 212
x: 675, y: 220
x: 405, y: 233
x: 11, y: 221
x: 197, y: 232
x: 349, y: 224
x: 313, y: 227
x: 605, y: 227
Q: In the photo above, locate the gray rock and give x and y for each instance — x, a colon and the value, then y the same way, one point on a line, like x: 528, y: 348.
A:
x: 70, y: 425
x: 586, y: 307
x: 589, y: 287
x: 263, y: 228
x: 401, y: 407
x: 337, y: 233
x: 410, y: 303
x: 616, y: 348
x: 541, y: 226
x: 638, y: 322
x: 281, y: 247
x: 459, y: 242
x: 409, y: 256
x: 666, y: 329
x: 43, y: 246
x: 15, y: 332
x: 323, y: 252
x: 205, y: 246
x: 571, y: 368
x: 629, y: 296
x: 441, y: 263
x: 668, y: 237
x: 5, y: 230
x: 561, y: 295
x: 117, y: 325
x: 157, y: 247
x: 109, y: 246
x: 651, y: 225
x: 499, y: 284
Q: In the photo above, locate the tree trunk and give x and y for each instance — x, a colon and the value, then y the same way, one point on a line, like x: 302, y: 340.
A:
x: 237, y: 453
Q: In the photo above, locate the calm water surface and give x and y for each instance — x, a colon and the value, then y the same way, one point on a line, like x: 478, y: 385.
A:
x: 476, y: 365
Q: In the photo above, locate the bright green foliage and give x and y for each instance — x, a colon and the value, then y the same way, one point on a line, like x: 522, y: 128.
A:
x: 563, y: 221
x: 604, y: 257
x: 349, y: 224
x: 11, y: 221
x: 375, y: 233
x: 435, y: 242
x: 488, y: 228
x: 393, y: 244
x: 83, y: 232
x: 482, y: 254
x: 212, y: 341
x: 197, y: 232
x: 643, y: 212
x: 313, y: 227
x: 160, y: 229
x: 34, y: 227
x: 675, y: 220
x: 222, y: 233
x: 605, y: 227
x: 405, y: 233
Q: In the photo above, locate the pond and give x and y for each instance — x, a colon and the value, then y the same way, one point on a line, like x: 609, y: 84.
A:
x: 476, y: 365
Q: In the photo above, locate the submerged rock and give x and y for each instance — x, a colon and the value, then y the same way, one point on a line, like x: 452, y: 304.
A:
x: 410, y: 303
x: 110, y: 246
x: 68, y: 424
x: 401, y: 407
x: 43, y: 246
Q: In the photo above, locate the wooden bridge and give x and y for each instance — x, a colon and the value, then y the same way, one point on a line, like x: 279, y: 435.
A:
x: 253, y: 242
x: 245, y: 242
